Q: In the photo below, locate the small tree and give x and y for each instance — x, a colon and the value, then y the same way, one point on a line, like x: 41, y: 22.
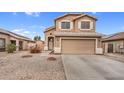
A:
x: 37, y: 38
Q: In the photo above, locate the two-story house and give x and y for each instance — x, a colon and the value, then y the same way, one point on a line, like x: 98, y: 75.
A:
x: 73, y: 34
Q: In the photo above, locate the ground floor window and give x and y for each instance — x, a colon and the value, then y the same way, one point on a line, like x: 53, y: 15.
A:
x: 110, y: 48
x: 2, y: 44
x: 13, y: 42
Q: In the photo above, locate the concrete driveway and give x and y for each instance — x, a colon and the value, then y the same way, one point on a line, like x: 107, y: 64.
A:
x: 92, y: 67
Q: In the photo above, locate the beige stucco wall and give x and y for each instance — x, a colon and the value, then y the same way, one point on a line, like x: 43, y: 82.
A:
x: 57, y: 48
x: 40, y: 44
x: 115, y: 45
x: 25, y: 45
x: 57, y: 22
x: 6, y: 37
x: 49, y: 33
x: 75, y: 23
x: 75, y: 28
x: 17, y: 42
x: 99, y: 44
x: 57, y: 41
x: 85, y: 18
x: 31, y: 45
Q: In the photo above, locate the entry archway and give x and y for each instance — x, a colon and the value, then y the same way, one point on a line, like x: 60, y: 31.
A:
x: 50, y: 43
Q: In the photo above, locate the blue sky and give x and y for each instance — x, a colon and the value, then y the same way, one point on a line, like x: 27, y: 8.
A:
x: 33, y: 23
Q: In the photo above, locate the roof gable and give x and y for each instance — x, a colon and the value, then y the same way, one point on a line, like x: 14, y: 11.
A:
x: 83, y: 15
x: 67, y: 15
x: 49, y: 29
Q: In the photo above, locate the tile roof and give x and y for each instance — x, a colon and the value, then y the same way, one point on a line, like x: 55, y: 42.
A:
x: 85, y: 15
x: 88, y: 34
x: 14, y: 34
x: 47, y: 29
x: 76, y: 14
x: 116, y: 36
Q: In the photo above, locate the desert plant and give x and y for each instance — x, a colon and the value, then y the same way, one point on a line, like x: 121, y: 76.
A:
x: 51, y: 58
x: 35, y: 50
x: 11, y: 48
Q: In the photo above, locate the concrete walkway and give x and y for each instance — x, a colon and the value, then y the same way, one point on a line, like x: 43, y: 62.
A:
x: 92, y: 67
x: 119, y: 57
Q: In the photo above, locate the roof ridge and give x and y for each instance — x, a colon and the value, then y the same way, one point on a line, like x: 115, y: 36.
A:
x: 68, y: 14
x: 85, y: 15
x: 10, y: 32
x: 114, y: 34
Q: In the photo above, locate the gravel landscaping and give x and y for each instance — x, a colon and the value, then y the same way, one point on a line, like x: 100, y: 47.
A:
x: 18, y: 66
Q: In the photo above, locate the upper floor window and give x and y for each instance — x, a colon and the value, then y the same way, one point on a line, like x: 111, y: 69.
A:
x: 65, y: 25
x: 85, y: 25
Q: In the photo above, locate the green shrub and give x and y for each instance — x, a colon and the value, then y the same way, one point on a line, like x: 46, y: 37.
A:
x: 11, y: 48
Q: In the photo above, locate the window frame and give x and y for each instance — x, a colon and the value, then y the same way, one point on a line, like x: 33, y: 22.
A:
x: 65, y: 22
x: 80, y: 25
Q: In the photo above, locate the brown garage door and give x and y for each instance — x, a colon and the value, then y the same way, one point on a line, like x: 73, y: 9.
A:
x: 82, y: 46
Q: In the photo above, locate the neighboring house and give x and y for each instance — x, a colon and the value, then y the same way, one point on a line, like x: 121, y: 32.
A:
x: 7, y: 37
x: 39, y: 44
x: 114, y: 43
x: 73, y: 34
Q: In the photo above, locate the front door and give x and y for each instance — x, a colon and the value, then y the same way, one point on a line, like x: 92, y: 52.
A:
x: 110, y: 48
x: 20, y: 45
x: 50, y: 43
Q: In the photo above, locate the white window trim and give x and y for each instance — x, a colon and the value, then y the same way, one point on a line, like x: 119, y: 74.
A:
x: 91, y: 25
x: 71, y: 24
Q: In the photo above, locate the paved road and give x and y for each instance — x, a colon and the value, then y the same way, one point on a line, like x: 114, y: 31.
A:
x: 92, y: 67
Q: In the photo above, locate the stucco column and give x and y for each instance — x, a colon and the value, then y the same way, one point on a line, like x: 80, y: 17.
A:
x: 106, y: 47
x: 114, y: 48
x: 17, y: 45
x: 46, y: 44
x: 57, y: 48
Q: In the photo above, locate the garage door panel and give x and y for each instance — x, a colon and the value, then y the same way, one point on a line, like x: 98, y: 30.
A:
x: 82, y: 46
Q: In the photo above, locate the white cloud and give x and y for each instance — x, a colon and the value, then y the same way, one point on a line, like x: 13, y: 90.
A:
x: 93, y: 12
x: 35, y: 14
x: 42, y: 27
x: 29, y: 30
x: 26, y: 32
x: 17, y: 30
x: 21, y: 31
x: 14, y: 13
x: 36, y: 26
x: 122, y: 28
x: 34, y: 32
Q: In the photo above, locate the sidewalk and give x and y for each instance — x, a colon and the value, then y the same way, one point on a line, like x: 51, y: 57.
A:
x: 119, y: 57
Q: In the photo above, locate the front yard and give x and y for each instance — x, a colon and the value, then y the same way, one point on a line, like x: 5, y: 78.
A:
x: 37, y: 67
